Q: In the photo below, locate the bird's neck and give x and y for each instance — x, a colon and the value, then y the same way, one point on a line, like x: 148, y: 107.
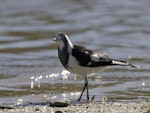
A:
x: 68, y: 43
x: 65, y: 44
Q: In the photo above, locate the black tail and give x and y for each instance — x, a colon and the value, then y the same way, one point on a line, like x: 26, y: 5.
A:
x: 124, y: 63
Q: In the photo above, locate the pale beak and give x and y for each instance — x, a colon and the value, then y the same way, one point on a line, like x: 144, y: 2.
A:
x: 54, y: 39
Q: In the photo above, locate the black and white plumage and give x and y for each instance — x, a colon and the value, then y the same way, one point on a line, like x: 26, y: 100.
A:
x: 83, y: 61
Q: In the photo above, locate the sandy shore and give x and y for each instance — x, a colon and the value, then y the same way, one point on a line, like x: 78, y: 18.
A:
x: 93, y: 107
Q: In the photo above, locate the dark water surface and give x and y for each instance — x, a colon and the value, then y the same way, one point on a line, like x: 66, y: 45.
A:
x: 29, y: 67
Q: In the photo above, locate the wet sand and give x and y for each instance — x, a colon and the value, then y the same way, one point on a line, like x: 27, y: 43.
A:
x: 93, y: 107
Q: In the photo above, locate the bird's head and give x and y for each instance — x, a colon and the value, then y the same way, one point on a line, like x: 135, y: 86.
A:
x: 62, y: 40
x: 60, y: 37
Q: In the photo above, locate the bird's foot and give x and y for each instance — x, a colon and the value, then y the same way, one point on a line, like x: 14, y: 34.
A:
x: 90, y: 99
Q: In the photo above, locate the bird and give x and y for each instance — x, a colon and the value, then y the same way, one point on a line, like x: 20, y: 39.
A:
x: 83, y: 61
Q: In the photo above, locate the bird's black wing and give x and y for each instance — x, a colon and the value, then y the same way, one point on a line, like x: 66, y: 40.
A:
x: 89, y: 58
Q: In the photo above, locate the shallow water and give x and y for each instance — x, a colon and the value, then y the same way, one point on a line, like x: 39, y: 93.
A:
x: 29, y: 67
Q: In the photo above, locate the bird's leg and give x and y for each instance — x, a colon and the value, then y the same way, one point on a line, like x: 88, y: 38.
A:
x: 86, y: 82
x: 85, y: 86
x: 82, y: 92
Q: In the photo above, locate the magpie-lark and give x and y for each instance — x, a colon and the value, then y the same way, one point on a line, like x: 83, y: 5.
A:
x: 83, y: 61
